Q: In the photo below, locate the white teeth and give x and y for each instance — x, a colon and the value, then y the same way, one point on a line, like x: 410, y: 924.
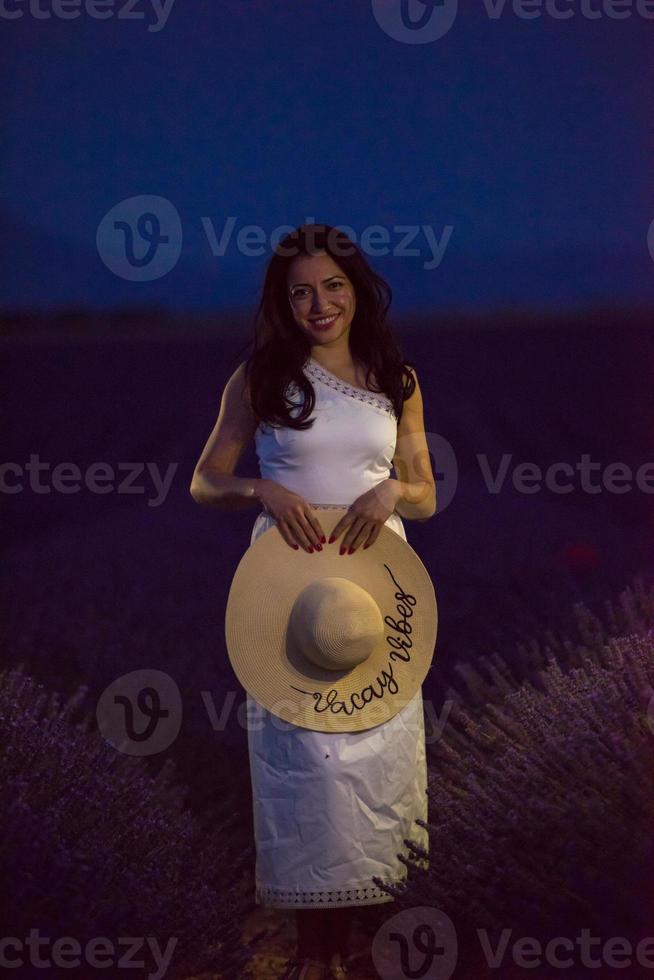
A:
x: 321, y: 323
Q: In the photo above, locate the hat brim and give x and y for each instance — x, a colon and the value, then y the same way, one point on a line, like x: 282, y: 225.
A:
x: 266, y: 662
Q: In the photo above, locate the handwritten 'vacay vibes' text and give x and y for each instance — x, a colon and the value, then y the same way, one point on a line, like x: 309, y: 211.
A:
x: 385, y: 680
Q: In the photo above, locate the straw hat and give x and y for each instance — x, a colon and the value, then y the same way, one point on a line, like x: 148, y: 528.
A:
x: 329, y: 642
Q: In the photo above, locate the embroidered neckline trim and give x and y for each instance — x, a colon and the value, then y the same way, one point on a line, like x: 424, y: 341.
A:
x: 317, y: 371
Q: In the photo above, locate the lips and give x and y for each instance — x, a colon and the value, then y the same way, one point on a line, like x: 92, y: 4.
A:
x: 320, y: 325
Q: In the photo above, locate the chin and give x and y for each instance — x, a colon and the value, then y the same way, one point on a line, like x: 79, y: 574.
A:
x: 331, y: 334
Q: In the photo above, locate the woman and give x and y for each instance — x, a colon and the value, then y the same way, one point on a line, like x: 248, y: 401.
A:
x: 331, y: 406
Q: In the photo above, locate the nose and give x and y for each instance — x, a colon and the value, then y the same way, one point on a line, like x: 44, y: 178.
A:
x: 320, y: 303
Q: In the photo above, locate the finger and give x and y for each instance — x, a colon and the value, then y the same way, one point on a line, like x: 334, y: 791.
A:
x: 336, y: 530
x: 312, y: 535
x: 352, y: 532
x: 315, y: 524
x: 300, y: 534
x: 340, y: 526
x: 345, y: 525
x: 361, y: 535
x: 290, y: 534
x: 287, y: 536
x: 372, y: 537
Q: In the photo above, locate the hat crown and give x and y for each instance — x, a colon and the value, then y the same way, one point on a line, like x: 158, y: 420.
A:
x: 335, y: 623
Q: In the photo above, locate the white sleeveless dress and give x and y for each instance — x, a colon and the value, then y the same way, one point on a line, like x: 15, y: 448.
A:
x: 332, y: 810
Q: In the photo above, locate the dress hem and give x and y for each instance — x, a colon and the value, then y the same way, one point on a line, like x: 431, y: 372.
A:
x: 282, y: 898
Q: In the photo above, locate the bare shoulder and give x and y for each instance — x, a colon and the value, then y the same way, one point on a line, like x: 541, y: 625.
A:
x: 233, y: 429
x: 237, y: 387
x: 236, y: 406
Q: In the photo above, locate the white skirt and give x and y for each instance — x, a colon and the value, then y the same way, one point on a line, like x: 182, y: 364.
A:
x: 333, y: 809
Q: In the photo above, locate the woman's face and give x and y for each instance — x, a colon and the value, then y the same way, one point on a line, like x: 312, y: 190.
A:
x: 321, y: 298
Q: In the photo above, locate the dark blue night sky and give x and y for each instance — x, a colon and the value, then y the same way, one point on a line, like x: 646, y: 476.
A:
x: 529, y: 139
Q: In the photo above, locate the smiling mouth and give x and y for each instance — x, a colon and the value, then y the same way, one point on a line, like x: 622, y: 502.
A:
x: 324, y: 321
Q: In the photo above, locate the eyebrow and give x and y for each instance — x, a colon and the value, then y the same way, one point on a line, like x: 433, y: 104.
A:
x: 307, y: 284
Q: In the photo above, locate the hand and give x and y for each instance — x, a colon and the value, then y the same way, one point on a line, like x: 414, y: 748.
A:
x: 297, y: 523
x: 366, y: 516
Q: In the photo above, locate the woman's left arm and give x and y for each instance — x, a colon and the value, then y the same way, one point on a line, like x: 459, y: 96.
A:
x: 416, y: 490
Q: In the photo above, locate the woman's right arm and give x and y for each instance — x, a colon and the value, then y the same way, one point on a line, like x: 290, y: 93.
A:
x: 213, y: 483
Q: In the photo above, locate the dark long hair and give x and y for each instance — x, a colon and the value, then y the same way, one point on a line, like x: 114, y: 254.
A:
x: 281, y: 348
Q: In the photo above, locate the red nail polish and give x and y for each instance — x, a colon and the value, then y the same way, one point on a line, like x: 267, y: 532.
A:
x: 310, y: 550
x: 331, y: 538
x: 296, y: 546
x: 351, y: 551
x: 324, y: 539
x: 341, y: 550
x: 318, y: 547
x: 365, y: 546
